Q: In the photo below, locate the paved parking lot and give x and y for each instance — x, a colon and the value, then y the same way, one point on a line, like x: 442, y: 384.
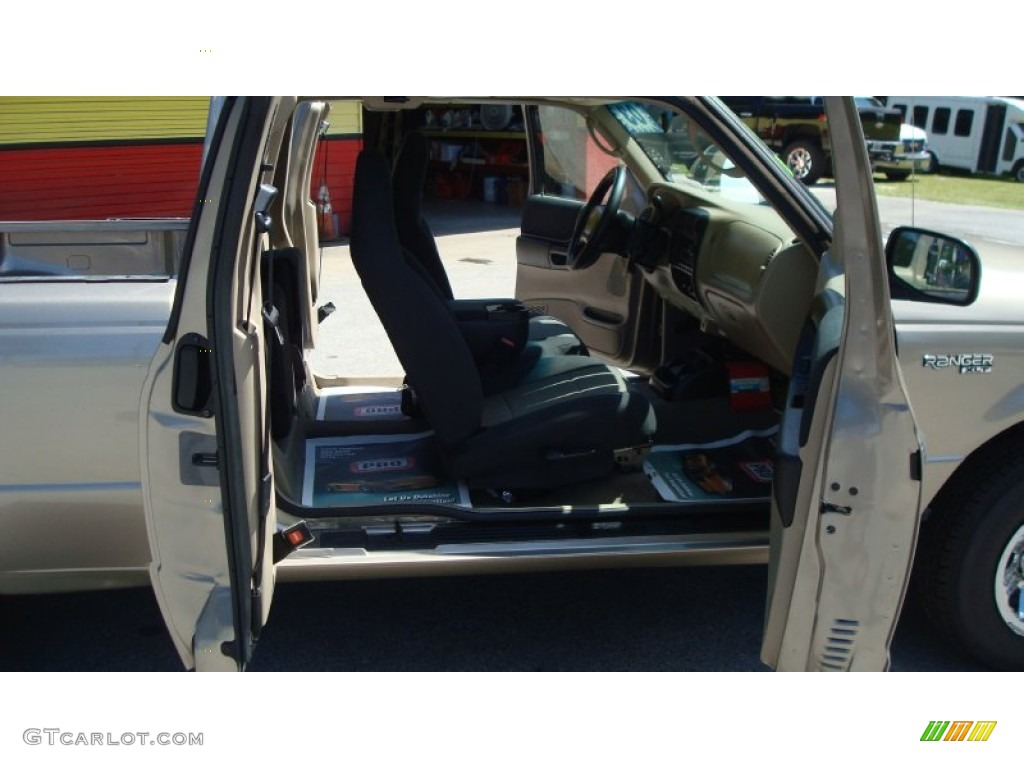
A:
x: 666, y: 619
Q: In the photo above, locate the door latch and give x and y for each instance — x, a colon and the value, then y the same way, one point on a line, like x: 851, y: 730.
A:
x: 836, y: 509
x: 205, y: 460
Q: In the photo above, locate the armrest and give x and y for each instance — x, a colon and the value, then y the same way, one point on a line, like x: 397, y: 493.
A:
x: 479, y: 309
x: 492, y: 326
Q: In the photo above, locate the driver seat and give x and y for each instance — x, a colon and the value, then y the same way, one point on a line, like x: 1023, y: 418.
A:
x: 547, y: 335
x: 561, y: 421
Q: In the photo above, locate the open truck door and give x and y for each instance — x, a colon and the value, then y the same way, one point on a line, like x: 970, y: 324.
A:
x: 207, y: 484
x: 846, y: 506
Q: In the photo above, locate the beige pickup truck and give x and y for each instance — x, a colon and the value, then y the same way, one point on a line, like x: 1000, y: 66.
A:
x: 701, y: 365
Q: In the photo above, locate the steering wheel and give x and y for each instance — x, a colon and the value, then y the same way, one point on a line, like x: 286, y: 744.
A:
x: 593, y: 220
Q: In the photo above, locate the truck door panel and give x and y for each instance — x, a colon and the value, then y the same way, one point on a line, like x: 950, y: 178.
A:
x: 212, y: 567
x: 841, y: 556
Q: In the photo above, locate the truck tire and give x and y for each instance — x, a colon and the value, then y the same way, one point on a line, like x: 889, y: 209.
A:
x: 805, y: 159
x: 1018, y: 171
x: 897, y: 175
x: 971, y: 570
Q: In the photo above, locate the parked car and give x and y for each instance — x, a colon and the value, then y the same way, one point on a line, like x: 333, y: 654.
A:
x: 915, y: 157
x: 796, y: 127
x: 162, y: 424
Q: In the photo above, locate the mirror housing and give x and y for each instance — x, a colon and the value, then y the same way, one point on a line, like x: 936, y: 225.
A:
x: 931, y: 267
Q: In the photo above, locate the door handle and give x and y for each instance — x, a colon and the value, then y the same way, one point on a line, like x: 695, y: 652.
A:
x: 192, y: 380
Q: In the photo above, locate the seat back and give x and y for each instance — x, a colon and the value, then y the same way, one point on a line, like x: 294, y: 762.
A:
x: 408, y: 180
x: 418, y: 321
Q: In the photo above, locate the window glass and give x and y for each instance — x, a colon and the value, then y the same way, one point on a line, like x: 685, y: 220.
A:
x: 572, y: 162
x: 1010, y: 146
x: 683, y: 152
x: 940, y: 124
x: 964, y: 120
x: 920, y: 117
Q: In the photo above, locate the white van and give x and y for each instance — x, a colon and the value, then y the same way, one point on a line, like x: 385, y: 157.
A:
x: 981, y: 134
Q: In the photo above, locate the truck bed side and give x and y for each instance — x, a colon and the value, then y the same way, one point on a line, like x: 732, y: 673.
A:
x: 77, y: 334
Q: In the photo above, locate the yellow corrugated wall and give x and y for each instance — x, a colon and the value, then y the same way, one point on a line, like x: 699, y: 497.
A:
x: 346, y: 118
x: 60, y: 119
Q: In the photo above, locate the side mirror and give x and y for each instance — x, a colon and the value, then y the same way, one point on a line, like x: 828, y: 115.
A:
x: 931, y: 267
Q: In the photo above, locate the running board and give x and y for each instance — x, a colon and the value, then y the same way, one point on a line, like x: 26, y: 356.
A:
x: 313, y: 564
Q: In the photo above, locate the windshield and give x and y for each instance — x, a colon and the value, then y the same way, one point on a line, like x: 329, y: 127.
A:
x: 868, y: 102
x: 683, y: 152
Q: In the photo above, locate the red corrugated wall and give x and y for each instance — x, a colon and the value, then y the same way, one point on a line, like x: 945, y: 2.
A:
x: 138, y: 180
x: 99, y: 182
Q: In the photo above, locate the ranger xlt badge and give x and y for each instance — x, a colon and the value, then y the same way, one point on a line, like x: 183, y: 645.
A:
x: 971, y: 362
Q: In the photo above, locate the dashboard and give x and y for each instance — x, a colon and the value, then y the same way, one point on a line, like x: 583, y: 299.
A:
x: 742, y: 275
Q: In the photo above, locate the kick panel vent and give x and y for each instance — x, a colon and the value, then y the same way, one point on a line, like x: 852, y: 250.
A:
x: 838, y: 651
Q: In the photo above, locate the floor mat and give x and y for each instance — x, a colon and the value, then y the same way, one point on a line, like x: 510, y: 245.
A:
x: 737, y: 469
x: 360, y: 404
x: 378, y: 470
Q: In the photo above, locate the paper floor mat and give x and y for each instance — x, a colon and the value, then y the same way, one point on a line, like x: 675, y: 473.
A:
x: 360, y: 404
x: 733, y: 470
x: 378, y: 470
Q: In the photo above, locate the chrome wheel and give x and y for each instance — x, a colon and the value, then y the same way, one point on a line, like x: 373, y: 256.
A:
x: 805, y: 160
x: 799, y: 161
x: 1009, y: 583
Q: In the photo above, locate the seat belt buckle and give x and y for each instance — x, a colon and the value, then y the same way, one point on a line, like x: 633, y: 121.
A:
x: 291, y: 538
x: 273, y: 319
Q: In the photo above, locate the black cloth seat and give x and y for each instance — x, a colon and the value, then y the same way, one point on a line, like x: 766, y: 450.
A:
x: 548, y: 335
x: 559, y: 421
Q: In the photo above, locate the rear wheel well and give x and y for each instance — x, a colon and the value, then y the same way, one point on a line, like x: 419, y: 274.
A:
x: 802, y: 133
x: 985, y: 459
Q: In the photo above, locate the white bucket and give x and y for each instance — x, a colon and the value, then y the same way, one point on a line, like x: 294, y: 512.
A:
x: 491, y: 188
